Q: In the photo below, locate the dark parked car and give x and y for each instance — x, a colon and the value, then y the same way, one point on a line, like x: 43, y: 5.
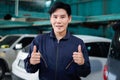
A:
x: 112, y: 67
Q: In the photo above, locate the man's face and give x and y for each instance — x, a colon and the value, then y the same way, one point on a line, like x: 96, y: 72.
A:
x: 59, y: 20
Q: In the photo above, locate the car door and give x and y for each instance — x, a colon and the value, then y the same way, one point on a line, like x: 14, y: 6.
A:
x: 97, y: 59
x: 24, y: 42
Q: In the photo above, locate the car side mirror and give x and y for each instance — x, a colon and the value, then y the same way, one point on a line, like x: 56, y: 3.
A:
x: 18, y: 46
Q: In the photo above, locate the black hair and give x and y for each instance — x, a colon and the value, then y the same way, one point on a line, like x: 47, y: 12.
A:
x: 56, y: 5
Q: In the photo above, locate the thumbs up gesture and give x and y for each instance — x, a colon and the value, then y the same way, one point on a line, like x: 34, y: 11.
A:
x: 78, y: 56
x: 35, y: 56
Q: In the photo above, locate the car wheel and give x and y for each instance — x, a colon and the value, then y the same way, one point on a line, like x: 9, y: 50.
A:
x: 2, y: 71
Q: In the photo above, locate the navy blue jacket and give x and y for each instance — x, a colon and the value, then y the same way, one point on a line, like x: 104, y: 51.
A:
x: 57, y: 61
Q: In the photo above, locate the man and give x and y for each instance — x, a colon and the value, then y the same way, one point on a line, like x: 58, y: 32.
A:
x: 58, y: 55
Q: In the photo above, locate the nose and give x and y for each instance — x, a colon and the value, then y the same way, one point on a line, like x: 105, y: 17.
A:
x: 58, y: 20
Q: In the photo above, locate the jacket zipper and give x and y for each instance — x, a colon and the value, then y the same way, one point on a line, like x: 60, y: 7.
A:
x: 43, y: 59
x: 56, y: 62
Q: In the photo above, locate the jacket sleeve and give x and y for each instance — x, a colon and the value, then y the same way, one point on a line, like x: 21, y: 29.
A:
x: 85, y: 69
x: 29, y: 67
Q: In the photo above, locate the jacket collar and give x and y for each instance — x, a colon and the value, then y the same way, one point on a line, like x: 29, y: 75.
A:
x: 67, y: 36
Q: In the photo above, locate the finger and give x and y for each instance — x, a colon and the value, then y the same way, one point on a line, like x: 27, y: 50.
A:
x: 74, y: 54
x: 36, y: 55
x: 79, y: 49
x: 36, y: 59
x: 34, y: 49
x: 77, y: 56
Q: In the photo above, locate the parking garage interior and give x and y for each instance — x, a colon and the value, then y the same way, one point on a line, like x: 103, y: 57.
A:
x: 89, y: 17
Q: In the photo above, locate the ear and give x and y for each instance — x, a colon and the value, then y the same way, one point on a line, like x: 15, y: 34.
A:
x: 70, y: 18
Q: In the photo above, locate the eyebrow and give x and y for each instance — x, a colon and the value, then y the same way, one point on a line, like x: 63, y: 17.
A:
x: 60, y: 15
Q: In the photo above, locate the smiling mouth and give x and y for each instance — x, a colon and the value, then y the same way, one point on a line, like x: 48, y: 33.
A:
x: 58, y: 26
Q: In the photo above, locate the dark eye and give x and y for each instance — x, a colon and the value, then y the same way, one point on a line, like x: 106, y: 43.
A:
x: 62, y: 16
x: 55, y: 17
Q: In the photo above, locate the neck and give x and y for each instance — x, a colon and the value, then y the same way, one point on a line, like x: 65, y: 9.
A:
x: 60, y: 35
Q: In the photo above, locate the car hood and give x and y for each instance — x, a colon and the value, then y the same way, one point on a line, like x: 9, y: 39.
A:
x: 4, y: 49
x: 22, y: 55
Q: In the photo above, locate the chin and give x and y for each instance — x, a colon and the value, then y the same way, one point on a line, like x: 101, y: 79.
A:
x: 59, y: 31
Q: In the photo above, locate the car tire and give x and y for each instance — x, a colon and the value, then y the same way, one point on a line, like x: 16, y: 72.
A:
x: 2, y: 71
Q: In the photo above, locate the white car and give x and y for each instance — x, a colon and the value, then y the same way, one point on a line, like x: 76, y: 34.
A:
x: 97, y: 48
x: 9, y: 47
x: 18, y: 71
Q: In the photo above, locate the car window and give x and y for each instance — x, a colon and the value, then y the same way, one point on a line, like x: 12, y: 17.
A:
x: 98, y: 49
x: 9, y: 40
x: 104, y: 48
x: 26, y: 49
x: 26, y: 41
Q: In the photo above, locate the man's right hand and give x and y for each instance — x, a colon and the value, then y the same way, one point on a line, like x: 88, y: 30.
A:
x: 35, y: 57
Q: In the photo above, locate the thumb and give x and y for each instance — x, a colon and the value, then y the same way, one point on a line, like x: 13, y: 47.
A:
x: 79, y: 48
x: 34, y: 49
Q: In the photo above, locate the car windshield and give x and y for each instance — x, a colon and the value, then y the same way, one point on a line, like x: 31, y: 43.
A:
x: 115, y: 46
x: 8, y: 41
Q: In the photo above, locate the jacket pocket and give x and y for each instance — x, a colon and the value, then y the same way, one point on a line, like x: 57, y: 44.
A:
x: 70, y: 68
x: 69, y: 64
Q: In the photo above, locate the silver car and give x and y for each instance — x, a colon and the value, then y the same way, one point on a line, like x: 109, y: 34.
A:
x: 97, y: 48
x: 9, y: 47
